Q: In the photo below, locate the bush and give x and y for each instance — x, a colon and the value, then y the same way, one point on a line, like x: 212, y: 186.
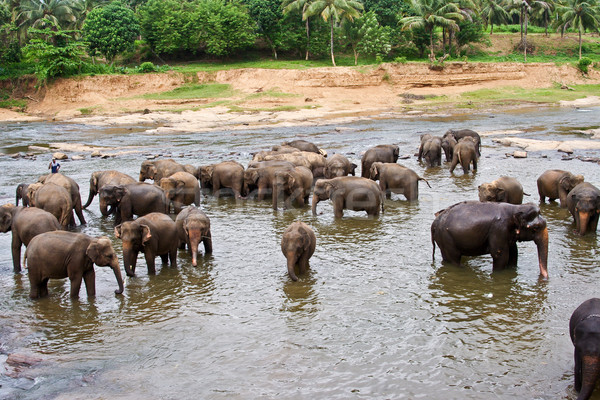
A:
x: 400, y: 60
x: 583, y: 64
x: 147, y: 67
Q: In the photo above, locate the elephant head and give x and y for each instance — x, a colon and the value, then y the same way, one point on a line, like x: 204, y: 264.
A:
x: 375, y: 171
x: 323, y: 191
x: 530, y: 225
x: 251, y: 177
x: 94, y: 191
x: 196, y: 230
x: 134, y: 236
x: 111, y: 195
x: 147, y: 170
x: 294, y: 243
x: 491, y: 192
x: 205, y: 175
x: 172, y: 187
x: 584, y: 329
x: 6, y: 218
x: 101, y: 252
x: 587, y: 207
x: 21, y: 193
x: 30, y: 195
x: 568, y: 181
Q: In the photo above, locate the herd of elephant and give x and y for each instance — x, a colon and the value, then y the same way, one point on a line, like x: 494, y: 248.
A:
x: 289, y: 172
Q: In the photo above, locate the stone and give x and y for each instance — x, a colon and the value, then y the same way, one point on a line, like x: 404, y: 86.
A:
x: 96, y: 154
x: 60, y: 156
x: 77, y: 158
x: 520, y: 154
x: 565, y: 148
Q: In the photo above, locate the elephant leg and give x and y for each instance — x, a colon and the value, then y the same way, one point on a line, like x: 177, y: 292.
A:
x: 474, y: 163
x: 79, y: 211
x: 16, y: 252
x: 173, y: 257
x: 338, y: 207
x: 578, y: 377
x: 500, y: 255
x: 164, y: 258
x: 34, y: 286
x: 593, y: 224
x: 450, y: 254
x: 513, y: 255
x: 89, y: 278
x: 43, y: 288
x: 303, y: 263
x: 207, y: 240
x: 76, y: 284
x: 150, y: 256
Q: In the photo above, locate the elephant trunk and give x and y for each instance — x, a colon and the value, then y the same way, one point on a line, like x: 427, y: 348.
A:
x: 128, y: 255
x: 590, y: 372
x: 583, y: 221
x: 90, y: 198
x: 291, y: 263
x: 104, y: 208
x: 541, y: 240
x: 194, y: 243
x: 117, y: 271
x: 315, y: 200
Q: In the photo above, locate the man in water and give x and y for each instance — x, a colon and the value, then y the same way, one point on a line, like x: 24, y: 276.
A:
x: 54, y: 165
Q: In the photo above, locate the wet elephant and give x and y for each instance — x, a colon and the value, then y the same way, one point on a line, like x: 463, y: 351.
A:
x: 305, y: 145
x: 298, y: 244
x: 21, y: 194
x: 315, y: 162
x: 133, y: 199
x: 556, y: 184
x: 387, y: 153
x: 338, y: 165
x: 503, y: 190
x: 52, y: 198
x: 462, y: 133
x: 584, y: 329
x: 25, y: 223
x: 398, y: 179
x: 158, y: 169
x: 348, y: 192
x: 448, y: 144
x: 583, y: 202
x: 260, y: 178
x: 292, y: 184
x: 99, y: 179
x: 155, y: 234
x: 431, y: 151
x: 58, y: 255
x: 473, y: 228
x: 71, y: 186
x: 181, y: 188
x: 193, y: 227
x: 464, y: 153
x: 224, y: 175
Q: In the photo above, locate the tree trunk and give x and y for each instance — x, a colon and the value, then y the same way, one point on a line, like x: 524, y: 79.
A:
x: 580, y: 43
x: 492, y: 29
x: 307, y: 39
x: 431, y: 55
x: 331, y: 42
x: 524, y: 42
x: 521, y: 22
x: 356, y: 56
x: 450, y: 35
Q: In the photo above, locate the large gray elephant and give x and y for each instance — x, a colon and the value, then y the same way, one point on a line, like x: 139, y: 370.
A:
x: 181, y: 188
x: 503, y: 190
x: 224, y: 175
x: 584, y: 329
x: 583, y: 203
x: 431, y: 150
x: 25, y: 223
x: 462, y: 133
x: 71, y: 186
x: 298, y: 244
x: 259, y: 179
x: 338, y: 165
x: 57, y: 255
x: 193, y: 227
x: 397, y: 179
x: 556, y: 184
x: 53, y: 198
x: 465, y: 153
x: 155, y: 234
x: 133, y: 199
x: 292, y: 184
x: 349, y: 192
x: 158, y: 169
x: 387, y: 153
x: 305, y: 146
x: 473, y: 228
x: 100, y: 179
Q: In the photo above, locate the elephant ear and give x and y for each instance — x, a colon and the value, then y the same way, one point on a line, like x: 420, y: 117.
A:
x: 118, y: 231
x: 94, y: 181
x: 254, y: 175
x: 291, y: 181
x: 146, y: 235
x: 500, y: 194
x: 305, y: 238
x: 374, y: 172
x: 566, y: 183
x: 180, y: 186
x: 93, y: 251
x: 120, y: 192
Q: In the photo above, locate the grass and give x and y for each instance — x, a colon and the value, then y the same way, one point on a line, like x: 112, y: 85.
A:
x: 13, y: 104
x: 194, y: 91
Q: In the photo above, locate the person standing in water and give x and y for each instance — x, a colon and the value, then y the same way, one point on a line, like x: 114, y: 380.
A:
x: 54, y: 165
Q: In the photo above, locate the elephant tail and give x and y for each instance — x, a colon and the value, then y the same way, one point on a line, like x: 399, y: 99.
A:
x: 423, y: 179
x: 433, y: 241
x: 526, y: 194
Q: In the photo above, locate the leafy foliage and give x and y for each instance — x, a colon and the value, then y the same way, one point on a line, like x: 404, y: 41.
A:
x: 366, y: 36
x: 110, y: 30
x: 583, y: 64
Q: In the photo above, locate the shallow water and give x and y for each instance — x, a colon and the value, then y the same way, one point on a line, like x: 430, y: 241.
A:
x: 375, y: 317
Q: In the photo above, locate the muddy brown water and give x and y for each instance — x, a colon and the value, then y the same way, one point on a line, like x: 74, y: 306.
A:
x: 376, y: 317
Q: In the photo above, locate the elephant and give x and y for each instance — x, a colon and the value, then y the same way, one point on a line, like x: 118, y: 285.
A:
x: 503, y: 190
x: 298, y: 244
x: 584, y: 329
x: 461, y: 133
x: 71, y: 186
x: 473, y: 228
x: 25, y: 223
x: 305, y: 146
x: 156, y: 170
x: 100, y: 179
x: 53, y: 198
x: 583, y: 202
x: 465, y: 153
x: 349, y: 192
x: 387, y: 153
x: 57, y: 255
x: 227, y: 174
x: 338, y: 165
x: 181, y: 188
x: 193, y: 227
x: 448, y: 144
x: 315, y: 162
x: 155, y: 234
x: 133, y: 199
x: 398, y: 179
x: 556, y: 184
x: 431, y: 150
x: 283, y: 148
x: 292, y: 184
x: 261, y: 177
x: 21, y: 193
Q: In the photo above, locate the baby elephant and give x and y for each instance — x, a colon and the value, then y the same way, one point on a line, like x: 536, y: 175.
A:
x: 556, y: 184
x: 193, y: 227
x: 59, y: 254
x: 465, y: 153
x: 503, y: 190
x: 584, y: 328
x: 398, y: 179
x: 298, y: 245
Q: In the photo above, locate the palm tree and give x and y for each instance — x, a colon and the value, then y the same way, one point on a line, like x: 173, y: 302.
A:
x: 526, y: 7
x: 298, y: 5
x: 583, y: 14
x: 39, y: 13
x: 334, y: 10
x: 493, y: 11
x: 432, y: 13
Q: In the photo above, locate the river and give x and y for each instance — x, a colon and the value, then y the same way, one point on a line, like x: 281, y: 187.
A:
x: 375, y: 318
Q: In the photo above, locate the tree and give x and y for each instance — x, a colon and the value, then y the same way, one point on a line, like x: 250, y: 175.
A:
x: 40, y: 14
x: 429, y: 14
x: 526, y: 7
x: 582, y: 14
x: 386, y: 10
x: 333, y: 11
x: 268, y: 16
x: 366, y: 36
x: 492, y: 12
x: 168, y: 28
x: 111, y: 30
x: 301, y: 6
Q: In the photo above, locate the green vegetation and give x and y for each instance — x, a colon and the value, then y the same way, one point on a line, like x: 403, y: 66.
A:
x: 194, y: 91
